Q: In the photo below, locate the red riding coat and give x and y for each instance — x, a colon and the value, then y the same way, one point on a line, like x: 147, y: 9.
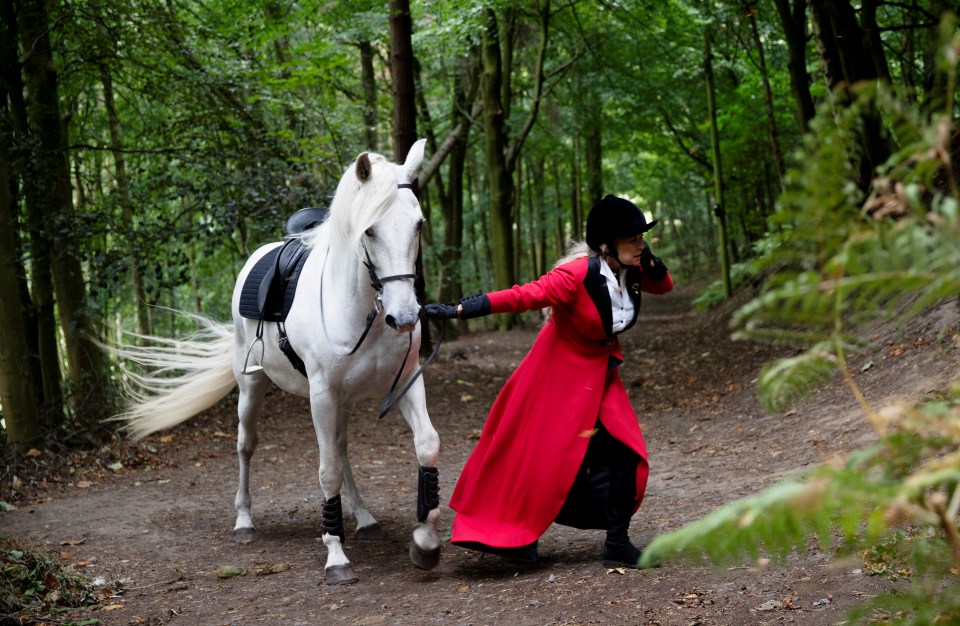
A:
x: 535, y: 438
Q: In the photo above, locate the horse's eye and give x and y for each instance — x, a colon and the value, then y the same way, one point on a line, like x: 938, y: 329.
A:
x: 420, y: 225
x: 370, y: 233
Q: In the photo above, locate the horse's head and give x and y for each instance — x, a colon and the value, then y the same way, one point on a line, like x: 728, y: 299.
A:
x: 390, y: 236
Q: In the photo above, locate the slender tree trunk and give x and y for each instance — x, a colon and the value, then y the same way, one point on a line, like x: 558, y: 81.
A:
x: 369, y: 79
x: 768, y: 99
x: 126, y: 205
x: 87, y: 364
x: 794, y: 21
x: 719, y: 208
x: 594, y: 150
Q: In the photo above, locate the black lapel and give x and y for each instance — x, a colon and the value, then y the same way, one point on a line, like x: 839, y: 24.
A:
x: 596, y: 286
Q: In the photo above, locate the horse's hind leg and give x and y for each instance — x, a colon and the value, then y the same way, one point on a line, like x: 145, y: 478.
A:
x: 367, y: 525
x: 323, y: 407
x: 425, y: 547
x: 253, y: 388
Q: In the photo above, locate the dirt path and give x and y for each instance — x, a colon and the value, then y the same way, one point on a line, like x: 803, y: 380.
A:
x: 157, y: 529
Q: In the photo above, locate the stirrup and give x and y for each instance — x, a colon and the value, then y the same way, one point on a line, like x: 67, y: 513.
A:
x: 256, y: 367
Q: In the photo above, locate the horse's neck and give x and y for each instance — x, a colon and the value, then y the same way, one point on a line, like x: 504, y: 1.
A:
x: 346, y: 278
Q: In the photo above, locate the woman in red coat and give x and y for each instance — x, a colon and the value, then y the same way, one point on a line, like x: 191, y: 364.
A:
x: 562, y: 442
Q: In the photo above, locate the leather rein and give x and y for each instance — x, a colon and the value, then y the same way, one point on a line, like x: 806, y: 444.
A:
x: 393, y: 397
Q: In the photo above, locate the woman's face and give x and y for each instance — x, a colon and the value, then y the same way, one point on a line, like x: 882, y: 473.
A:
x: 628, y: 249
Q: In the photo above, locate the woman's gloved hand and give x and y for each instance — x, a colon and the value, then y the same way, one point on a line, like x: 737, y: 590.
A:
x: 474, y: 306
x: 653, y: 267
x: 440, y: 311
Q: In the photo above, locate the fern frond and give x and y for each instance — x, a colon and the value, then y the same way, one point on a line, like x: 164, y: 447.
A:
x: 782, y: 382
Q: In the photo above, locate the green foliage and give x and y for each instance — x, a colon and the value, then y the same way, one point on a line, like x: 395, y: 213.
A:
x: 841, y: 259
x: 895, y: 503
x: 34, y: 585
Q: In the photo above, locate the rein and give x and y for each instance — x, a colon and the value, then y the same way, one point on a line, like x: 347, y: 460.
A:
x: 377, y: 283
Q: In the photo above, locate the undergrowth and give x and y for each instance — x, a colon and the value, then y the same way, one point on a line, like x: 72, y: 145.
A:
x: 36, y: 588
x: 843, y: 259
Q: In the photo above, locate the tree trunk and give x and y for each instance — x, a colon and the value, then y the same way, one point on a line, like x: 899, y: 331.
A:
x: 719, y: 208
x: 402, y: 70
x: 86, y: 363
x: 594, y: 150
x: 126, y: 205
x: 495, y: 141
x: 402, y: 66
x: 935, y: 81
x: 794, y: 22
x: 768, y: 99
x: 17, y: 391
x: 369, y: 94
x: 39, y: 319
x: 841, y: 42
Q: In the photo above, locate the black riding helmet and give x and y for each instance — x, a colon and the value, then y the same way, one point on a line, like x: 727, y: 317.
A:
x: 614, y: 218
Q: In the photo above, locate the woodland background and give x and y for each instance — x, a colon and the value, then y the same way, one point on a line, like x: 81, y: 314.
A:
x: 148, y: 147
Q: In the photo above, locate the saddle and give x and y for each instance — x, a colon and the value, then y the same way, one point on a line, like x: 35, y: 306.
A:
x: 268, y: 290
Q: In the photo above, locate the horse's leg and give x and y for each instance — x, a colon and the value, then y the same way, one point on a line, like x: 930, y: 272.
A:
x: 425, y: 547
x: 323, y: 407
x: 367, y: 526
x: 253, y: 388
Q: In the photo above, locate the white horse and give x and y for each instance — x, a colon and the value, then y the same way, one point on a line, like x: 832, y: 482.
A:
x: 370, y: 236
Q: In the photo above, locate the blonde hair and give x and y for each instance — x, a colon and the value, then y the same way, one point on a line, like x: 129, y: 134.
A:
x: 575, y: 250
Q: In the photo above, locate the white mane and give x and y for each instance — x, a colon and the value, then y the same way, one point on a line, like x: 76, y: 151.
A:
x: 356, y: 206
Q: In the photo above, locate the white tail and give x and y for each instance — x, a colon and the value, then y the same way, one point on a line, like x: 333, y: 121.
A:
x: 183, y: 377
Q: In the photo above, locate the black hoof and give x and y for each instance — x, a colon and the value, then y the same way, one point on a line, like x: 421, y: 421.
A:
x: 340, y: 575
x: 424, y: 559
x: 244, y: 535
x: 373, y: 531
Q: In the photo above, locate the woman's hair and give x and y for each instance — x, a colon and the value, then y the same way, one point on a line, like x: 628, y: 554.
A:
x: 576, y: 250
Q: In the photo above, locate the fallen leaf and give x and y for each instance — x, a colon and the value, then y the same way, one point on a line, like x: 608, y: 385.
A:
x: 111, y: 607
x: 32, y: 452
x: 73, y: 542
x: 463, y: 589
x: 83, y: 484
x: 229, y: 571
x: 273, y: 569
x: 617, y: 570
x: 116, y: 467
x: 166, y: 438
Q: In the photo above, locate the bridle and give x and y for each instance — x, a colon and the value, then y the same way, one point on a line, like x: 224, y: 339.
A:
x: 377, y: 282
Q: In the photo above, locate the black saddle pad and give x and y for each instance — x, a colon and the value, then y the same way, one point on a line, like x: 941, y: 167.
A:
x: 270, y: 286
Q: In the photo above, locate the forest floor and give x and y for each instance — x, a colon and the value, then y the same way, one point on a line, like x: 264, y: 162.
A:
x: 152, y: 521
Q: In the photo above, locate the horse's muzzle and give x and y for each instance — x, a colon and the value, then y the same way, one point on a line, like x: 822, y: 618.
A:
x: 393, y: 323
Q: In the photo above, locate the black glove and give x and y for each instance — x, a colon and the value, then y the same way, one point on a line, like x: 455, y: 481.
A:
x: 653, y: 267
x: 440, y: 311
x: 474, y: 306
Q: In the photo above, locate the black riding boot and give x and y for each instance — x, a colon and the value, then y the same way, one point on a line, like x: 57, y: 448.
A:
x: 617, y: 549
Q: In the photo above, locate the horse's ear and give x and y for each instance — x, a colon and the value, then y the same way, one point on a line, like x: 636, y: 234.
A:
x: 414, y: 159
x: 364, y: 169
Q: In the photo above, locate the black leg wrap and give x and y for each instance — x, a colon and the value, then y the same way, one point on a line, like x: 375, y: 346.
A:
x: 333, y: 518
x: 428, y: 491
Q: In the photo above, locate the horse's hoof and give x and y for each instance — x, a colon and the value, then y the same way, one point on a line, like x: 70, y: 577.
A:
x: 373, y: 531
x: 424, y: 559
x: 340, y: 575
x: 244, y: 535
